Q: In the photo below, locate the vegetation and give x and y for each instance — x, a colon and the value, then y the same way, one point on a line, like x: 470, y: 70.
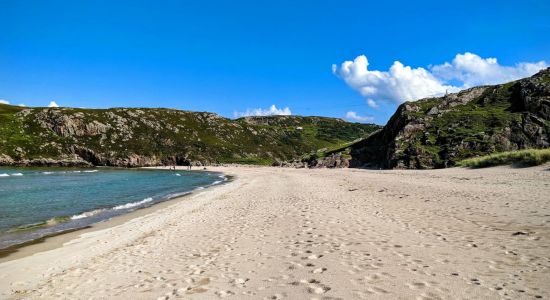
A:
x: 472, y: 123
x: 439, y: 132
x: 137, y: 136
x: 525, y: 158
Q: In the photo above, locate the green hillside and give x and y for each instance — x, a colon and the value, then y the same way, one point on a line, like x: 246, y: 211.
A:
x: 145, y: 136
x: 439, y: 132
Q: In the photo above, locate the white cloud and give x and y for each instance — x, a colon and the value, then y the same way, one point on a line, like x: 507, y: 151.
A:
x: 472, y: 70
x: 2, y: 101
x: 404, y: 83
x: 372, y: 103
x: 271, y: 111
x: 53, y: 104
x: 353, y: 116
x: 400, y: 83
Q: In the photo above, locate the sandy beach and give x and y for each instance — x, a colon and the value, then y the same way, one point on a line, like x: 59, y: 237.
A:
x: 275, y: 233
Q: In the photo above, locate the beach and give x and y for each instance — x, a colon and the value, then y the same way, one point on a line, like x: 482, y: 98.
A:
x: 281, y: 233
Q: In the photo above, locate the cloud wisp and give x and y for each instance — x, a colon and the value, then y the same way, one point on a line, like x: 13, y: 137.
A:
x: 2, y: 101
x: 353, y: 116
x: 404, y: 83
x: 53, y: 104
x: 271, y: 111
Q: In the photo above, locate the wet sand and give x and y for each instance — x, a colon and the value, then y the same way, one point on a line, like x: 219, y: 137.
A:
x: 301, y: 234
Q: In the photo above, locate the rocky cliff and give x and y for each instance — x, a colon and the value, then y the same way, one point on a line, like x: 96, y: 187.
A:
x: 144, y: 137
x: 438, y: 132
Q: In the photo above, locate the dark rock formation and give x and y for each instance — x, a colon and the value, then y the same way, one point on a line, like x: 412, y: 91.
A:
x: 438, y: 132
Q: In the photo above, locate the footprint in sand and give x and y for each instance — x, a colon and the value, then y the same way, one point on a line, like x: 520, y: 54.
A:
x: 223, y: 294
x: 314, y: 256
x: 416, y: 285
x: 319, y: 270
x: 318, y: 289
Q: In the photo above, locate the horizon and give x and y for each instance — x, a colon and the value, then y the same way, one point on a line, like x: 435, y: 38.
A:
x: 179, y: 109
x: 243, y: 58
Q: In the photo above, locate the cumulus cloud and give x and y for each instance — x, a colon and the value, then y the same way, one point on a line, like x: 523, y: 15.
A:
x: 405, y: 83
x: 53, y: 104
x: 353, y: 116
x: 472, y: 70
x: 400, y: 83
x: 271, y: 111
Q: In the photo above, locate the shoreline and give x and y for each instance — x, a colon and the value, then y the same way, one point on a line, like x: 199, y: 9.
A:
x: 316, y: 233
x: 57, y: 239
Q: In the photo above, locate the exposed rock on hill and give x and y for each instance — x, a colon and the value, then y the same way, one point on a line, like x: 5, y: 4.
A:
x: 145, y: 137
x: 438, y: 132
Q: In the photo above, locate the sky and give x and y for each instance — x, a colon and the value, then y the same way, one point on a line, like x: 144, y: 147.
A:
x: 356, y: 60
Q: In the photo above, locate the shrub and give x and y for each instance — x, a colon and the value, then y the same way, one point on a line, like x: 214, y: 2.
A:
x: 525, y: 158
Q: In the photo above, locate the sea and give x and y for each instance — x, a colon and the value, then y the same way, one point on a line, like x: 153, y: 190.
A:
x: 39, y: 202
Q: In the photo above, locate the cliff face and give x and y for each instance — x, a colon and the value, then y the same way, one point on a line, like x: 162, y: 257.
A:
x: 145, y: 137
x: 438, y: 132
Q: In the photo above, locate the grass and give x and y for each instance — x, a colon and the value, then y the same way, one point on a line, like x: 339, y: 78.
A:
x: 248, y: 161
x: 522, y: 158
x: 472, y: 124
x: 166, y: 133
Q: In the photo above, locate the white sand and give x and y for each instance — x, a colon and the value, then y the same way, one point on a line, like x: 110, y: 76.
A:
x: 300, y: 234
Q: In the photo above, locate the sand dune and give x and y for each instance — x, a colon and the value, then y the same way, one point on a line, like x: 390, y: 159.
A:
x: 316, y: 234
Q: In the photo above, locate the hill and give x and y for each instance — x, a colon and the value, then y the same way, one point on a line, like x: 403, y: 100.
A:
x: 439, y: 132
x: 145, y: 136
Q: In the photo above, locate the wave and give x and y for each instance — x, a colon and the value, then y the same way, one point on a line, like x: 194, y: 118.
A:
x: 175, y: 195
x: 64, y: 172
x: 87, y: 214
x: 118, y: 207
x: 12, y: 174
x: 133, y: 204
x: 177, y: 174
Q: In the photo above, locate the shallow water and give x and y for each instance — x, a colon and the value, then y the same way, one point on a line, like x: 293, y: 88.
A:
x: 35, y: 202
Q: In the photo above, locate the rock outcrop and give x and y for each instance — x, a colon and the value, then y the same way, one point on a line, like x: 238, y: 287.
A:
x: 133, y: 137
x: 438, y: 132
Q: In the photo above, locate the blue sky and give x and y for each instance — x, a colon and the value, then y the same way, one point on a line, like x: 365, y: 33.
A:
x: 231, y: 57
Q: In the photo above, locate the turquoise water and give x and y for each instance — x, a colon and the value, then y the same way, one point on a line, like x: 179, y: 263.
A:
x: 35, y: 202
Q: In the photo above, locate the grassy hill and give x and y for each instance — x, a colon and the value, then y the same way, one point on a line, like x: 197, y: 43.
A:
x: 145, y: 136
x: 439, y: 132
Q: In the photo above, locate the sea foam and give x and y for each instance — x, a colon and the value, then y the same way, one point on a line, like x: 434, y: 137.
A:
x: 87, y: 214
x: 118, y: 207
x: 133, y: 204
